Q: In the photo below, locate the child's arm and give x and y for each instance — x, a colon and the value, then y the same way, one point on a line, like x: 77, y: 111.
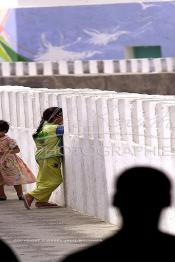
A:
x: 14, y: 150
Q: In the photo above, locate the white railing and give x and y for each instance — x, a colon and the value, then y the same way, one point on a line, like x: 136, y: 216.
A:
x: 105, y: 132
x: 129, y: 66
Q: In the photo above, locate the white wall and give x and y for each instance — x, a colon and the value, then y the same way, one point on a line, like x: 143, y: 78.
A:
x: 105, y: 132
x: 46, y: 3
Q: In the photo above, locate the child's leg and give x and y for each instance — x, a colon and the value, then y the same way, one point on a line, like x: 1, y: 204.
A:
x: 2, y: 193
x: 19, y: 192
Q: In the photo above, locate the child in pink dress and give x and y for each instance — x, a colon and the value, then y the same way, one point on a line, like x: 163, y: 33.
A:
x: 13, y: 171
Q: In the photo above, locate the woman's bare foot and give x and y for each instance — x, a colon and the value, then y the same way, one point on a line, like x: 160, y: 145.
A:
x: 28, y: 199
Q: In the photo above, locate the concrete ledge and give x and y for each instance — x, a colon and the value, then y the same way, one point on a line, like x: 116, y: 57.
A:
x: 162, y: 83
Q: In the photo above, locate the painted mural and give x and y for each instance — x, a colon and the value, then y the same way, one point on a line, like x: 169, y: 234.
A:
x: 6, y: 51
x: 85, y: 32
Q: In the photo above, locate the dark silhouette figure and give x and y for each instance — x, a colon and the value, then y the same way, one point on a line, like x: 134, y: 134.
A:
x: 6, y: 253
x: 141, y: 194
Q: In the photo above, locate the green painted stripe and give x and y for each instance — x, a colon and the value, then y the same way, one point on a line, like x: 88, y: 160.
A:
x: 12, y: 55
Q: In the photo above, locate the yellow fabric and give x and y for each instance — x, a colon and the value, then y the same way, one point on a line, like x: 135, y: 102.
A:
x: 48, y: 179
x: 47, y: 142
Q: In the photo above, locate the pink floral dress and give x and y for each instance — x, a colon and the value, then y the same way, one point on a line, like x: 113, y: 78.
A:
x: 13, y: 171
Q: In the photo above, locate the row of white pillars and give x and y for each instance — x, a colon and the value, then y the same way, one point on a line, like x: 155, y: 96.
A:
x: 78, y: 67
x: 105, y: 132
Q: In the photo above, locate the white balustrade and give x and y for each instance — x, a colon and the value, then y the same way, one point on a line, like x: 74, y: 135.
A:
x: 105, y: 133
x: 79, y: 67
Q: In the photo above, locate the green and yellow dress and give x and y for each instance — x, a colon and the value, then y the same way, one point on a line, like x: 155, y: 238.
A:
x: 49, y: 155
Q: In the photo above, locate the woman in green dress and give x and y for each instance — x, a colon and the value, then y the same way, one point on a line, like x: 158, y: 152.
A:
x: 49, y: 154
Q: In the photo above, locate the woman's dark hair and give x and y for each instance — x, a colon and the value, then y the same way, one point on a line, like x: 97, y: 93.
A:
x: 4, y: 126
x: 48, y: 115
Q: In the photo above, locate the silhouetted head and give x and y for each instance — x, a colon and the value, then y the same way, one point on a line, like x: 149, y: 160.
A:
x: 142, y: 188
x: 4, y: 126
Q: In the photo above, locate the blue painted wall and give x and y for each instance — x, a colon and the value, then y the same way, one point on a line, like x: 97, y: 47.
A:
x: 90, y: 32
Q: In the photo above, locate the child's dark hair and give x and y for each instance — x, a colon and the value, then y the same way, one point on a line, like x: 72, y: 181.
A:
x: 4, y: 126
x: 48, y: 115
